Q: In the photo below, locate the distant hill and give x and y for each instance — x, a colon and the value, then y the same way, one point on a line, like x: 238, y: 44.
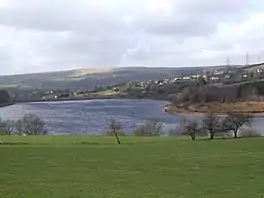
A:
x: 254, y: 67
x: 89, y: 78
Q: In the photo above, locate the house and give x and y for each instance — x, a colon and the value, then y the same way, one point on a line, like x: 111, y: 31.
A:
x: 227, y: 76
x: 245, y: 76
x: 186, y: 78
x: 214, y: 78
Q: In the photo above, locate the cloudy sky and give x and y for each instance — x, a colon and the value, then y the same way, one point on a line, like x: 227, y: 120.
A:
x: 45, y: 35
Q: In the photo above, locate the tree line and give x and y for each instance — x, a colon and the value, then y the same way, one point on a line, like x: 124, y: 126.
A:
x: 29, y: 124
x: 213, y: 124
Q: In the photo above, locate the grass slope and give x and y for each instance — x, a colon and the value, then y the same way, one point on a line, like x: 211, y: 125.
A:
x: 81, y: 167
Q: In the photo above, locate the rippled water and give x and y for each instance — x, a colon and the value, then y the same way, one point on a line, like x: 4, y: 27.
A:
x: 90, y: 117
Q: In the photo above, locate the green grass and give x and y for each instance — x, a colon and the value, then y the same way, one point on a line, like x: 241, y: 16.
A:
x: 81, y: 167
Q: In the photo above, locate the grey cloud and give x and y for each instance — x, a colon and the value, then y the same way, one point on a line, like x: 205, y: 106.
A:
x: 183, y: 28
x: 63, y: 15
x: 195, y: 18
x: 65, y: 34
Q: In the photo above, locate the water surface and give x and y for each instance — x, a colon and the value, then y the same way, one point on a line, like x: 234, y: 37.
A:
x: 91, y: 117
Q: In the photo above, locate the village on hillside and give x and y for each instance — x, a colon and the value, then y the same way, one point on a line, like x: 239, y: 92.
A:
x: 222, y: 76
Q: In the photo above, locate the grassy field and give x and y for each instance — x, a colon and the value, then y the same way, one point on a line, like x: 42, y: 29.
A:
x: 81, y: 167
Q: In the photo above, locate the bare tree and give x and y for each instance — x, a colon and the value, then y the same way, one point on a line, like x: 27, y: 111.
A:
x: 235, y: 121
x: 114, y: 127
x: 7, y: 127
x: 31, y: 124
x: 153, y: 127
x: 191, y: 129
x: 19, y: 127
x: 211, y: 124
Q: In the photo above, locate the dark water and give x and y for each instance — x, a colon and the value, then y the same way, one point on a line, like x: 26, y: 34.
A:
x: 90, y: 117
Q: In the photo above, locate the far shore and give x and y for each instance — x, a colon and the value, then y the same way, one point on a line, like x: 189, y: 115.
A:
x: 174, y: 110
x: 87, y: 99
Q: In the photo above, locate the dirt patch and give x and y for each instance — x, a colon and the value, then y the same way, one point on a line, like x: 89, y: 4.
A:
x: 253, y: 108
x: 87, y: 71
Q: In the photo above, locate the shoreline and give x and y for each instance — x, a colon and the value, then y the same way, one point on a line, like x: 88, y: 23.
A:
x: 172, y: 109
x: 7, y: 104
x: 85, y: 99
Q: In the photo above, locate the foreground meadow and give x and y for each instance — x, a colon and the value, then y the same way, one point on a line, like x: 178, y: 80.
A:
x: 81, y: 167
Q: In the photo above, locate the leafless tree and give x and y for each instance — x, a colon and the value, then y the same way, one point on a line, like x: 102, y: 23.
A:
x: 235, y: 121
x: 153, y: 127
x: 31, y: 124
x: 7, y: 127
x: 211, y: 123
x: 191, y: 129
x: 19, y: 127
x: 114, y: 127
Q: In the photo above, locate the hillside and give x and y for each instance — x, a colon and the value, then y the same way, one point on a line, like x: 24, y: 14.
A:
x: 89, y: 78
x: 246, y: 97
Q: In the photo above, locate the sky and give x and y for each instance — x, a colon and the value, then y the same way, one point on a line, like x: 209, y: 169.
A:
x: 52, y: 35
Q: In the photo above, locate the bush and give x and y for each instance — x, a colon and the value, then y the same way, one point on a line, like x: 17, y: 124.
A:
x: 174, y: 132
x: 141, y: 131
x: 249, y: 132
x: 151, y: 128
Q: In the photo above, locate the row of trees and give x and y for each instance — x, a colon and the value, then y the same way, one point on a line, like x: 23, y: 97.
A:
x: 213, y: 124
x: 30, y: 124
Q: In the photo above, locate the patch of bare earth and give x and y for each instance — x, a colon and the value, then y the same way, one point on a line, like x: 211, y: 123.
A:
x: 87, y: 71
x: 255, y: 108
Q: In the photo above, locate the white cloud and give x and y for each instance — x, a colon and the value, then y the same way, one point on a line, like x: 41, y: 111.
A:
x: 64, y: 34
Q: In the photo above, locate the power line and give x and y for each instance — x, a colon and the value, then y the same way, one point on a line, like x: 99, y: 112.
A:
x: 228, y: 61
x: 247, y: 58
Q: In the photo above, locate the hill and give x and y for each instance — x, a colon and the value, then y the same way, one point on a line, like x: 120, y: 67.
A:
x: 89, y: 78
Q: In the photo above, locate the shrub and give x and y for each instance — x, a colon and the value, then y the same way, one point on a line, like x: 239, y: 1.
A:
x: 174, y: 132
x: 249, y: 132
x: 151, y: 128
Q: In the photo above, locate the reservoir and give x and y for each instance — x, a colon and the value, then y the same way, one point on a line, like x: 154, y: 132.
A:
x: 91, y: 117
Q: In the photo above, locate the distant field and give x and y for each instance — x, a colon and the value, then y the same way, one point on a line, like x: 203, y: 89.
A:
x: 95, y: 167
x: 87, y: 71
x: 6, y: 86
